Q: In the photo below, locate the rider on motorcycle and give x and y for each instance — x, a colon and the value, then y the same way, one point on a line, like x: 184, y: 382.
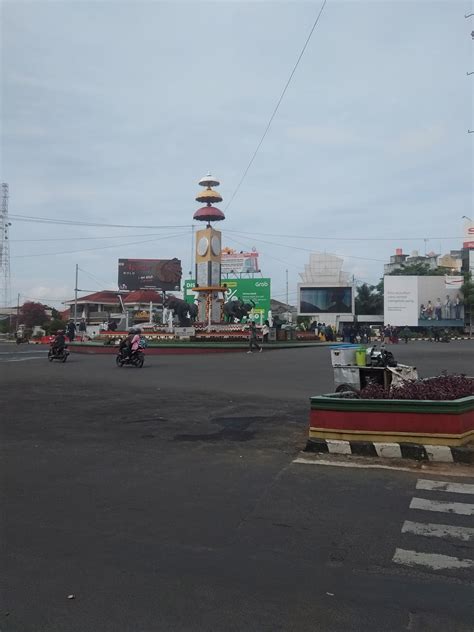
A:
x: 131, y: 343
x: 136, y: 340
x: 59, y: 342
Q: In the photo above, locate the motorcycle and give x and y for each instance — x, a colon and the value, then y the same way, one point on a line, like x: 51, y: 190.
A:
x: 380, y: 357
x: 58, y: 354
x: 136, y: 359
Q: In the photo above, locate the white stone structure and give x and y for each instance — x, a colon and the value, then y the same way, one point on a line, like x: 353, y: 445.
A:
x: 326, y: 291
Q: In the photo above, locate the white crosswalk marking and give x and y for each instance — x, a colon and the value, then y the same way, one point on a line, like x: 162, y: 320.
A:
x: 431, y: 560
x: 448, y: 537
x: 463, y: 509
x: 438, y: 530
x: 442, y: 486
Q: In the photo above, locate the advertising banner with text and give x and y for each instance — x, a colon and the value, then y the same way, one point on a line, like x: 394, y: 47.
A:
x: 423, y: 300
x: 247, y: 290
x: 141, y: 274
x: 401, y: 301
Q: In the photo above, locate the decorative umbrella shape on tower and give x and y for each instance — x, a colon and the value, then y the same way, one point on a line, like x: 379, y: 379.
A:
x: 209, y: 197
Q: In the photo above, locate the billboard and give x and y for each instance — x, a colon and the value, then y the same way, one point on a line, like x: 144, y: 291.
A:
x: 468, y: 240
x: 423, y: 300
x: 233, y: 262
x: 325, y: 300
x: 247, y: 290
x: 145, y: 274
x: 400, y: 301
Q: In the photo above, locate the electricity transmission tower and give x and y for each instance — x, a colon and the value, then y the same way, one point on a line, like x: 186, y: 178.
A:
x: 5, y: 291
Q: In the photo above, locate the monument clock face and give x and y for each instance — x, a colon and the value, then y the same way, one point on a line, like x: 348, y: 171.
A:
x: 203, y: 245
x: 215, y: 245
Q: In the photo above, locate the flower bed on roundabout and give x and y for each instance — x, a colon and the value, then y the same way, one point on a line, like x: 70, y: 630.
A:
x: 226, y: 339
x: 378, y: 423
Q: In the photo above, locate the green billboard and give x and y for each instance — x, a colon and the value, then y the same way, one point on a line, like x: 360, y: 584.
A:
x: 247, y: 290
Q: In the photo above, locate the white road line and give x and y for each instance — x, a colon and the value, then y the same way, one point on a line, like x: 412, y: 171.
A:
x: 21, y: 352
x: 438, y: 530
x: 431, y: 560
x: 378, y: 466
x: 21, y: 359
x: 444, y: 486
x: 463, y: 509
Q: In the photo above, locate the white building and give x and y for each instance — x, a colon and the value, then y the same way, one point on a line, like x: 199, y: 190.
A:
x: 326, y: 292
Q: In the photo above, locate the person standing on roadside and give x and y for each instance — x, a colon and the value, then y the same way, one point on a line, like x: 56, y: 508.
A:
x: 82, y: 329
x: 253, y: 341
x: 265, y: 330
x: 71, y: 330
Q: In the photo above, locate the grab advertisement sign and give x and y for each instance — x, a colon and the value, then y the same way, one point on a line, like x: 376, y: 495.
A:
x: 257, y: 291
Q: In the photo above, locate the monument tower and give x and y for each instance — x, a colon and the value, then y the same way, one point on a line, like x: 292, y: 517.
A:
x: 208, y: 254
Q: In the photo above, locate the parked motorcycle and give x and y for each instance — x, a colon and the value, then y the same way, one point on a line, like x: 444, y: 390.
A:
x: 61, y: 355
x: 136, y: 359
x: 380, y: 357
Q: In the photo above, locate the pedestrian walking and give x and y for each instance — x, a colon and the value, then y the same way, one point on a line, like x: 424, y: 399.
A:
x: 71, y: 330
x: 82, y: 329
x: 265, y: 330
x: 253, y: 341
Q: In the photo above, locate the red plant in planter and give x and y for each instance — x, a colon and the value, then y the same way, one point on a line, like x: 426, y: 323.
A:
x: 444, y: 387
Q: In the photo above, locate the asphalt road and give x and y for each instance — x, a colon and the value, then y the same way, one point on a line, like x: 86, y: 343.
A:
x: 168, y: 499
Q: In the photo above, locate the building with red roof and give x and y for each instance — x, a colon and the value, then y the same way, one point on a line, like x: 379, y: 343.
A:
x: 106, y: 305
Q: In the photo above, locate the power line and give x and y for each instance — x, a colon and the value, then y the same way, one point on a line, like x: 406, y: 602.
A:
x: 66, y: 222
x: 272, y: 243
x: 277, y: 105
x: 82, y: 238
x: 99, y: 282
x: 286, y: 263
x: 68, y: 252
x: 318, y: 237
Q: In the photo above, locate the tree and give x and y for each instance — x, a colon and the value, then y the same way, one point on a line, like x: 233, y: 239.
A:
x: 32, y: 314
x: 369, y: 299
x: 467, y: 290
x: 54, y: 325
x: 418, y: 269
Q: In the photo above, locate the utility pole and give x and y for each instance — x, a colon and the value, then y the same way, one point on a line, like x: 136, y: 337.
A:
x: 5, y: 296
x: 287, y: 305
x: 75, y: 294
x: 191, y: 270
x: 17, y: 311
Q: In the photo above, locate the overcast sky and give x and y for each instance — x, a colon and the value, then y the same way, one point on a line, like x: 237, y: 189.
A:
x: 112, y: 111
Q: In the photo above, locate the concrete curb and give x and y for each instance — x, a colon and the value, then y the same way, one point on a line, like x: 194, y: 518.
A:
x: 416, y: 451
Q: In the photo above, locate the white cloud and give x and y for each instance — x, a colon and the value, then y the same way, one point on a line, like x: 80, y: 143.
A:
x: 418, y: 140
x: 323, y: 135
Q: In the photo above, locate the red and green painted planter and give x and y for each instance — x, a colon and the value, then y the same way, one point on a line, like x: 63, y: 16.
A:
x: 435, y: 423
x: 182, y: 347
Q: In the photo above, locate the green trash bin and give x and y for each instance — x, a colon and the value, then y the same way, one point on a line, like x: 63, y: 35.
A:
x: 361, y: 356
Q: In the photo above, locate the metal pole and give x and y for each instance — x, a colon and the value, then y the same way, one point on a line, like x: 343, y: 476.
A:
x: 75, y: 294
x: 17, y: 311
x: 191, y: 268
x: 287, y: 305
